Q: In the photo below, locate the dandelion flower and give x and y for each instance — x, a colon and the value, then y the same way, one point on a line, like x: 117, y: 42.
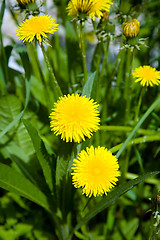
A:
x: 36, y: 27
x: 74, y: 117
x: 88, y: 8
x: 131, y: 28
x: 147, y: 76
x: 95, y: 170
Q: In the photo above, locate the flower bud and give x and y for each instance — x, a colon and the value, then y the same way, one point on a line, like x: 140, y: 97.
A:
x: 24, y: 3
x: 131, y: 28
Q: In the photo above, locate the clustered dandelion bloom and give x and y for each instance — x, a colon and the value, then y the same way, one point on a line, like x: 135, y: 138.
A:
x: 88, y: 8
x: 24, y: 3
x: 36, y: 28
x: 95, y: 170
x: 131, y: 28
x: 147, y: 76
x: 74, y: 117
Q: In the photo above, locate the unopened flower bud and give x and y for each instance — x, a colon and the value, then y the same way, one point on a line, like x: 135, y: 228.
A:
x: 131, y: 28
x: 24, y: 3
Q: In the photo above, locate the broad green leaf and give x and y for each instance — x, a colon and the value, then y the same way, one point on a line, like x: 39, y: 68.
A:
x: 112, y: 197
x: 87, y: 89
x: 13, y: 181
x: 38, y: 144
x: 10, y: 107
x: 150, y: 109
x: 37, y: 90
x: 18, y: 117
x: 23, y: 167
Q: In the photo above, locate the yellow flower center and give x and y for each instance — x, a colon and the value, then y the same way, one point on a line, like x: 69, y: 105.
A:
x: 148, y: 74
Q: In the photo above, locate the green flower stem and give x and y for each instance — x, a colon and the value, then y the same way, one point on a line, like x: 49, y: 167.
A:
x: 118, y: 60
x: 120, y: 74
x: 100, y: 74
x: 99, y: 58
x: 83, y: 49
x: 55, y: 86
x: 104, y: 63
x: 143, y: 139
x: 128, y: 85
x: 97, y: 70
x: 128, y: 98
x: 109, y: 84
x: 127, y: 129
x: 139, y: 104
x: 38, y: 72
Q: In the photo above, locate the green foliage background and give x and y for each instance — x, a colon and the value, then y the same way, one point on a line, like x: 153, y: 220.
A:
x: 35, y: 165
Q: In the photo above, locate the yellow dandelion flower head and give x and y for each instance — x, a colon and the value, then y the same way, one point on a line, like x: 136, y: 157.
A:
x: 74, y: 117
x: 24, y: 3
x: 147, y: 76
x: 36, y: 27
x: 88, y: 8
x: 95, y: 170
x: 131, y: 28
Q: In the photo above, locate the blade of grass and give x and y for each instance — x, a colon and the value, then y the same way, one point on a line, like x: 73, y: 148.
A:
x: 143, y: 139
x: 150, y: 109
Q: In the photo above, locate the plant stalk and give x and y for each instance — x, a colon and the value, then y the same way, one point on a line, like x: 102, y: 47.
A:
x: 83, y: 49
x: 55, y: 86
x: 139, y: 105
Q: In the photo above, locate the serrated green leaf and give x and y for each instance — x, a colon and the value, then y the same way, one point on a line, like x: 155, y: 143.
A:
x: 61, y: 170
x: 112, y: 197
x: 13, y: 181
x: 37, y: 143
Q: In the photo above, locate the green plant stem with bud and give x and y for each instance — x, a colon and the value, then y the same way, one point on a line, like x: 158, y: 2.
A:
x: 83, y: 49
x: 128, y: 98
x: 55, y: 86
